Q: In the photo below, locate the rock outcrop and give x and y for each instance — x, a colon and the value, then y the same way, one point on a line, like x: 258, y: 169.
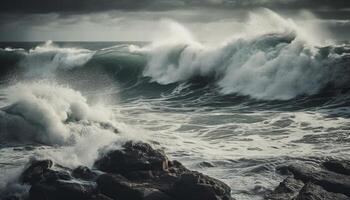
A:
x: 329, y: 180
x: 135, y: 172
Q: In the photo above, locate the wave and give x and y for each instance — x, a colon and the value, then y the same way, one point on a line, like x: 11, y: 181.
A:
x: 48, y: 113
x: 268, y: 67
x: 271, y: 65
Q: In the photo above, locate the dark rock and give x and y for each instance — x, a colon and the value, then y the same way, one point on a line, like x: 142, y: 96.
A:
x: 330, y: 181
x: 148, y: 173
x: 139, y: 175
x: 113, y: 185
x: 287, y: 190
x: 157, y: 195
x: 175, y: 167
x: 35, y: 172
x: 60, y: 190
x: 100, y: 197
x: 337, y: 166
x: 136, y: 172
x: 314, y: 192
x: 51, y: 175
x: 39, y: 170
x: 289, y: 185
x: 118, y: 187
x: 48, y: 184
x: 133, y: 157
x: 84, y: 173
x: 196, y: 186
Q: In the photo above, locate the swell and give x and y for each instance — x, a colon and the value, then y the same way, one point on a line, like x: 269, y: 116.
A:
x: 266, y: 67
x: 181, y: 74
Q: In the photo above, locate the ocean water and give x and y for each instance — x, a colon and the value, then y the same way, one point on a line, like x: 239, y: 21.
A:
x: 233, y: 110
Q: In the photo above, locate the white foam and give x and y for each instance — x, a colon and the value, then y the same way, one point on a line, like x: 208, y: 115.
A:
x: 45, y: 59
x: 277, y: 61
x: 9, y: 183
x: 50, y: 110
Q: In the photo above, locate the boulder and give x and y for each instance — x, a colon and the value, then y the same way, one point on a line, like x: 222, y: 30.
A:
x: 331, y: 181
x: 118, y: 187
x: 36, y: 170
x: 84, y: 173
x: 338, y: 166
x: 100, y: 197
x: 286, y: 190
x: 196, y: 186
x: 312, y: 181
x: 39, y: 170
x: 175, y: 167
x: 135, y: 156
x: 60, y: 189
x: 135, y: 172
x: 140, y: 172
x: 314, y: 192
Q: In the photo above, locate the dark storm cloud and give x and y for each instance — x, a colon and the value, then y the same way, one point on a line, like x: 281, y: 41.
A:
x: 32, y: 20
x: 45, y: 6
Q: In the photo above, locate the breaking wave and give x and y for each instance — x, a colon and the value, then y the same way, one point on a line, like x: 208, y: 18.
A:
x: 50, y: 114
x: 275, y: 64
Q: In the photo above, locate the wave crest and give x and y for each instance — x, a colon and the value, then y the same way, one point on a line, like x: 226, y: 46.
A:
x: 277, y: 62
x: 49, y: 113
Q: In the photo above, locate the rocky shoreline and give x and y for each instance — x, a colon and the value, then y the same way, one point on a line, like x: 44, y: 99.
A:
x: 328, y: 180
x: 135, y: 172
x: 139, y: 172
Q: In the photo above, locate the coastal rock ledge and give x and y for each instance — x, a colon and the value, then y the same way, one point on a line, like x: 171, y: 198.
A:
x: 329, y: 180
x: 135, y: 172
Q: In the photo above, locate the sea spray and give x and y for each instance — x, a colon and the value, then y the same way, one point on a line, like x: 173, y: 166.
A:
x: 44, y: 60
x: 280, y: 60
x: 50, y: 110
x: 274, y: 63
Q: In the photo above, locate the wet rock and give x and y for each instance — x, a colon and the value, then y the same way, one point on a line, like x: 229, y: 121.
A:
x: 84, y: 173
x: 157, y: 195
x: 115, y: 186
x: 100, y: 197
x: 35, y: 172
x: 314, y: 192
x: 286, y: 190
x: 39, y: 170
x: 52, y: 175
x: 330, y: 181
x: 327, y: 180
x: 337, y: 166
x: 196, y: 186
x: 59, y: 190
x: 145, y: 173
x: 133, y: 157
x: 140, y: 175
x: 136, y: 172
x: 118, y: 187
x: 175, y: 167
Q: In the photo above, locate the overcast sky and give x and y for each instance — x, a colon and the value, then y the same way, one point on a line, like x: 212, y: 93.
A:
x: 117, y: 20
